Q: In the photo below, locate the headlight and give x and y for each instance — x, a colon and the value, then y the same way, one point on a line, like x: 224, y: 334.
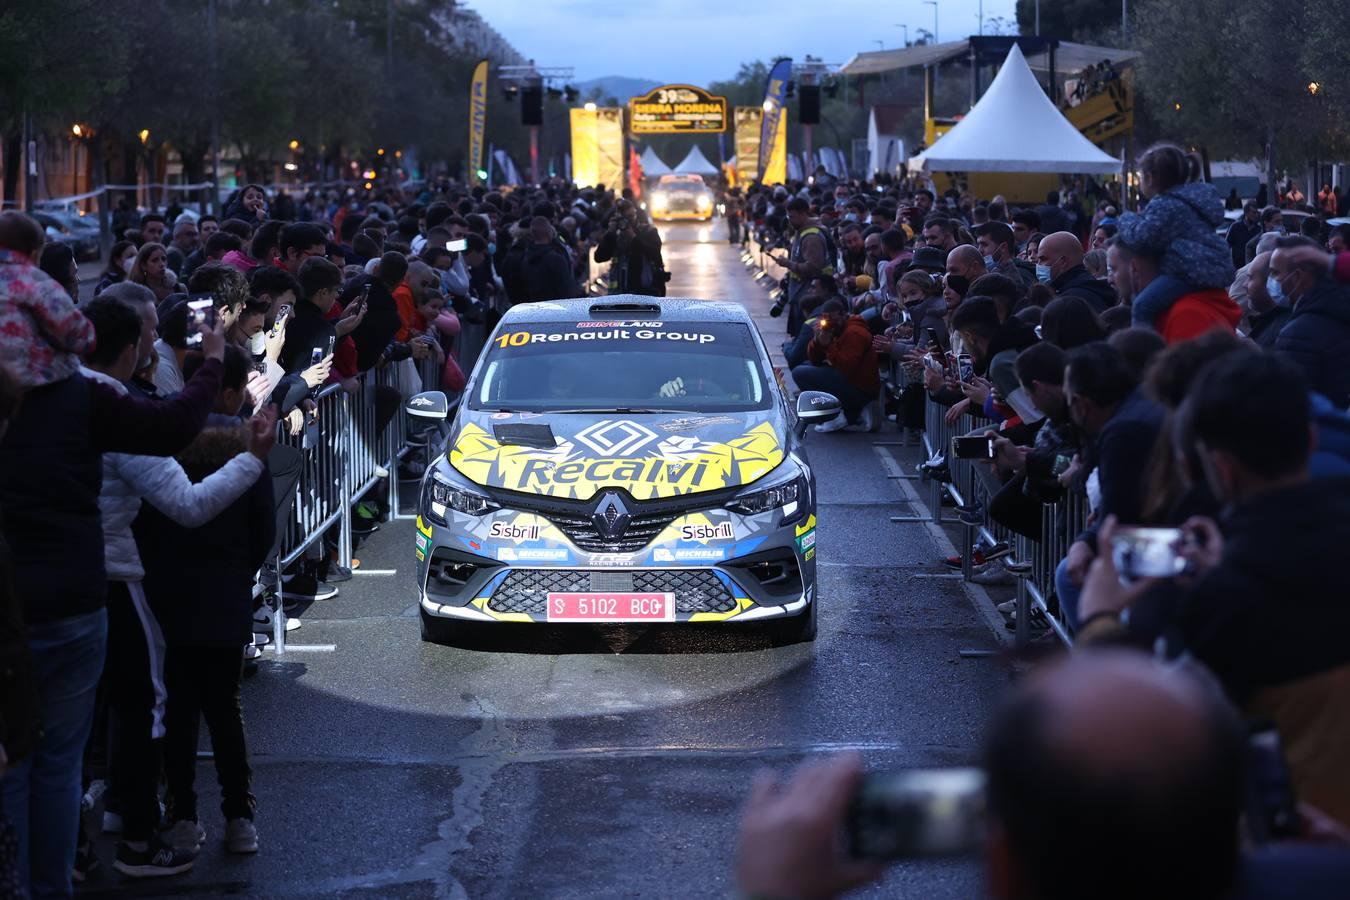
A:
x: 704, y: 201
x: 791, y: 495
x: 659, y: 199
x: 438, y: 494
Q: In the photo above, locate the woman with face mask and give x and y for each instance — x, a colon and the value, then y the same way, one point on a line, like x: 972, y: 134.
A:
x: 120, y: 261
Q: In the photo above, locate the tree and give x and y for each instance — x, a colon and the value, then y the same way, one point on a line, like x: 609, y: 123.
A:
x: 1068, y: 19
x: 1235, y: 76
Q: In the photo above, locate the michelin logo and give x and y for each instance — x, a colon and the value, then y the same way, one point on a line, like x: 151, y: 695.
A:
x: 699, y: 554
x: 546, y: 554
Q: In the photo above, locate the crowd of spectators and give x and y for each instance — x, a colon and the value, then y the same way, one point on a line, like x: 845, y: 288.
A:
x: 1173, y: 378
x: 141, y: 453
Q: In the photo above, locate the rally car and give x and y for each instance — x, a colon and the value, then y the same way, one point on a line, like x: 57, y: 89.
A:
x: 624, y: 461
x: 681, y: 197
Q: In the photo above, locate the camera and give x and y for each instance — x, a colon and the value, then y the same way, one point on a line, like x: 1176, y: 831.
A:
x: 1148, y: 552
x: 915, y: 813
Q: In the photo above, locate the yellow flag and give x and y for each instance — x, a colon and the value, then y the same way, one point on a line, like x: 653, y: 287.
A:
x: 477, y: 120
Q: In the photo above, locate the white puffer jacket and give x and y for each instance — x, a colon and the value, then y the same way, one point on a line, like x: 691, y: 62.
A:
x: 129, y: 478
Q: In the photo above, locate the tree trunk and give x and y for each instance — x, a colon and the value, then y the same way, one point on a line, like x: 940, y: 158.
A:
x: 13, y: 147
x: 1272, y: 192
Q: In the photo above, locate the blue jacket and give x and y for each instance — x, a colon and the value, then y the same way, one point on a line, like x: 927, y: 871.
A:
x: 1180, y: 225
x: 1123, y: 450
x: 1317, y: 338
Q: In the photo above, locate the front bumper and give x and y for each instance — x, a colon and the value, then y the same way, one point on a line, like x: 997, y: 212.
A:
x: 718, y: 566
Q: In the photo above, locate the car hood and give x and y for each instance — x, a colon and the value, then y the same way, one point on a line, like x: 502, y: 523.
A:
x: 649, y: 456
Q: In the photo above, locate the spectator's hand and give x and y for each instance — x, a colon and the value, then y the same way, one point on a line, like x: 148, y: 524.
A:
x: 1079, y: 557
x: 957, y: 410
x: 1070, y: 474
x: 977, y: 390
x: 276, y: 339
x: 295, y: 421
x: 262, y: 432
x: 1203, y: 546
x: 311, y: 408
x: 318, y: 373
x: 890, y: 312
x: 352, y: 318
x: 932, y: 381
x: 258, y: 388
x: 1009, y: 456
x: 1103, y: 591
x: 420, y: 349
x: 213, y: 341
x: 788, y: 844
x: 882, y: 344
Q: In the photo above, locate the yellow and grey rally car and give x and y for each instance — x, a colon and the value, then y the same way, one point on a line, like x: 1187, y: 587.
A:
x: 630, y: 460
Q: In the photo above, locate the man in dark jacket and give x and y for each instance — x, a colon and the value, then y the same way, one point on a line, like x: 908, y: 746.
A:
x: 50, y: 476
x: 547, y: 268
x: 635, y: 251
x: 1317, y: 335
x: 1242, y: 231
x: 1122, y: 423
x: 1263, y: 610
x: 1053, y: 218
x: 207, y: 627
x: 1059, y: 263
x: 1266, y: 318
x: 310, y: 336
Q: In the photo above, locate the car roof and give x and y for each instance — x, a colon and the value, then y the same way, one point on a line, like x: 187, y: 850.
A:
x: 626, y: 307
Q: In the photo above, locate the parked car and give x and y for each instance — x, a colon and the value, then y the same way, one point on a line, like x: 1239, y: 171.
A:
x: 79, y: 232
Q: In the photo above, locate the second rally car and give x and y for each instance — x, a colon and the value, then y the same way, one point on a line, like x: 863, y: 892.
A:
x: 622, y: 461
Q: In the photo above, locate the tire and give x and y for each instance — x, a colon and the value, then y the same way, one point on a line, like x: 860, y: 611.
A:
x: 799, y: 629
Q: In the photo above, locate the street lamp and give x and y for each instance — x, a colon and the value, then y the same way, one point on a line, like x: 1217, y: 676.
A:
x: 1314, y: 88
x: 906, y: 27
x: 145, y: 135
x: 77, y: 130
x: 294, y: 145
x: 591, y: 107
x: 934, y: 4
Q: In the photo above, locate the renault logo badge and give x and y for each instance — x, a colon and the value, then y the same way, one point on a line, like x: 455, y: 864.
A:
x: 611, y: 517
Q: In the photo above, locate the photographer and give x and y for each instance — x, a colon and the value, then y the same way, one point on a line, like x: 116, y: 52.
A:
x: 810, y: 256
x: 843, y: 363
x: 633, y: 250
x: 1110, y: 776
x: 1259, y: 605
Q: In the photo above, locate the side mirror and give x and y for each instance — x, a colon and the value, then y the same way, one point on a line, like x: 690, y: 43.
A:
x: 429, y: 405
x: 814, y: 407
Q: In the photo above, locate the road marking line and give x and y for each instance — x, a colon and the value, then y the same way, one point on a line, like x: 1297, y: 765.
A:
x: 374, y: 571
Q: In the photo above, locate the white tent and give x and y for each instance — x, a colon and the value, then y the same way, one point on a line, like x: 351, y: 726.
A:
x: 696, y: 164
x: 1015, y: 128
x: 652, y: 165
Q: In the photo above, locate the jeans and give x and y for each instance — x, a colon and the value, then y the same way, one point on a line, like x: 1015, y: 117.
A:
x: 811, y: 377
x: 134, y: 672
x: 204, y: 683
x: 41, y: 794
x: 1068, y: 594
x: 794, y: 350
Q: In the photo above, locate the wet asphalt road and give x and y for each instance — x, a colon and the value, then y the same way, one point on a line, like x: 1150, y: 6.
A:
x: 590, y: 762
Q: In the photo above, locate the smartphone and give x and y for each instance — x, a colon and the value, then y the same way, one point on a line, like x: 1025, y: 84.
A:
x: 931, y: 362
x: 918, y: 812
x: 1147, y: 552
x: 978, y: 447
x: 283, y: 314
x: 316, y: 356
x: 965, y: 368
x: 457, y: 246
x: 1272, y: 809
x: 201, y: 311
x: 933, y: 338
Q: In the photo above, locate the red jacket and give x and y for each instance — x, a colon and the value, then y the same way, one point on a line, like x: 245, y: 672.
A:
x: 1197, y: 313
x: 851, y: 354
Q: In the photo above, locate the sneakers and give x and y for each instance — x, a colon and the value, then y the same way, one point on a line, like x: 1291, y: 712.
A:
x: 241, y: 836
x: 993, y: 573
x: 981, y: 555
x: 838, y: 423
x: 187, y: 836
x: 86, y: 860
x: 155, y: 861
x: 252, y: 652
x: 262, y: 622
x: 867, y: 420
x: 337, y: 573
x: 305, y: 585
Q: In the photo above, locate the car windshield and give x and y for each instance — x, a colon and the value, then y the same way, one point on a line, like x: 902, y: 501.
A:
x: 623, y: 366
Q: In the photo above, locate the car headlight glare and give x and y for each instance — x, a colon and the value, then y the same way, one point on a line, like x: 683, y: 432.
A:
x: 441, y: 495
x: 659, y: 200
x: 788, y: 493
x: 704, y: 201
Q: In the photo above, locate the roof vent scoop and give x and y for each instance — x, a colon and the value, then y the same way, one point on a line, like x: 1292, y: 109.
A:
x: 606, y: 309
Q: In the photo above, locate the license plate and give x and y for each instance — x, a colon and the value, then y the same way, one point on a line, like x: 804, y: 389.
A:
x: 597, y: 606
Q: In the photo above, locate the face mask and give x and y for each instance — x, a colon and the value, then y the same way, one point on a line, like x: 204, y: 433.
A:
x: 851, y: 217
x: 127, y: 263
x: 989, y: 263
x: 1274, y: 290
x: 492, y: 248
x: 1042, y: 274
x: 257, y: 345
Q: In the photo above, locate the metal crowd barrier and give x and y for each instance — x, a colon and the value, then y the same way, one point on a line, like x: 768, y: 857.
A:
x: 343, y: 456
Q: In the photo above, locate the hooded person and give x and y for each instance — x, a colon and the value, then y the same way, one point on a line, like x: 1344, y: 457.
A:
x: 547, y: 270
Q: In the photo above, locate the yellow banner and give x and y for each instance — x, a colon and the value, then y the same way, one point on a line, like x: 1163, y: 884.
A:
x: 477, y: 120
x: 748, y: 119
x: 597, y: 147
x: 776, y: 171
